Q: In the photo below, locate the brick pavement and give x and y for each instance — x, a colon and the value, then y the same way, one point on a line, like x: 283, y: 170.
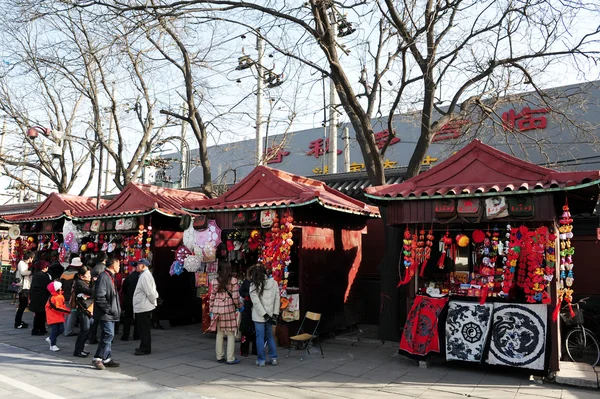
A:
x: 183, y: 360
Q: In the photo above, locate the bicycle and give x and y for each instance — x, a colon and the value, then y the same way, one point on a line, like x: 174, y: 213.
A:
x: 581, y: 344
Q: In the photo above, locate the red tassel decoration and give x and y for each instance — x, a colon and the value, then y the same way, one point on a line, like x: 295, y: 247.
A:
x: 556, y: 311
x: 484, y: 294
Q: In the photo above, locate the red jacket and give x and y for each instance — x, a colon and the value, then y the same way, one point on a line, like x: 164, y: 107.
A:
x: 55, y: 307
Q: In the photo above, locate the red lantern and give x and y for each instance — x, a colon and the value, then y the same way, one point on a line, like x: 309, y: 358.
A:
x: 32, y: 133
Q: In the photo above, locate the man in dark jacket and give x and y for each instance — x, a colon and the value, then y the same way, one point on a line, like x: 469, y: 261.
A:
x: 38, y: 296
x: 98, y: 268
x: 129, y: 285
x: 107, y: 311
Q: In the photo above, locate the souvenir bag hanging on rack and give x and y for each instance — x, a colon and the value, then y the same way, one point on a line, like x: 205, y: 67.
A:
x: 565, y: 290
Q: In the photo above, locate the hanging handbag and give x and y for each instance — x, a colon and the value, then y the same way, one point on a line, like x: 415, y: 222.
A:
x: 444, y: 210
x: 239, y: 218
x: 496, y: 207
x: 521, y: 206
x: 469, y: 209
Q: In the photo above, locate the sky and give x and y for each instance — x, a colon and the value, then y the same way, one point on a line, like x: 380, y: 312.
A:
x: 294, y: 106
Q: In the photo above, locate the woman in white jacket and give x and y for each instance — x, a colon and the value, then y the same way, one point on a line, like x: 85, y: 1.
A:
x: 264, y: 293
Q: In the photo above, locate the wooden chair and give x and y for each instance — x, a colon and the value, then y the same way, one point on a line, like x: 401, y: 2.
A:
x: 306, y: 338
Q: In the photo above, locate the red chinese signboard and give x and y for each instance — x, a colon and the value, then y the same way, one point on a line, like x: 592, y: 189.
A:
x: 527, y: 119
x: 316, y: 148
x: 451, y: 130
x: 276, y: 155
x: 382, y: 137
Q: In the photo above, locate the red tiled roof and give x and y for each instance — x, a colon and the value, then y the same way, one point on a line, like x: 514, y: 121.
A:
x: 138, y: 199
x: 479, y: 168
x: 265, y: 187
x: 56, y: 206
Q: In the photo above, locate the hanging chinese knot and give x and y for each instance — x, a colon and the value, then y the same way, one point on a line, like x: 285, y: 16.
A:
x: 409, y: 253
x: 565, y: 290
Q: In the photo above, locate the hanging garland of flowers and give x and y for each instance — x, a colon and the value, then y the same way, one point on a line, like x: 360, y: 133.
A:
x: 276, y: 249
x: 565, y: 292
x: 535, y: 281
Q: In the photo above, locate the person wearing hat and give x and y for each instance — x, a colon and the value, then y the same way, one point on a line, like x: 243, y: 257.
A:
x: 56, y: 310
x: 67, y: 279
x: 145, y: 299
x: 129, y: 285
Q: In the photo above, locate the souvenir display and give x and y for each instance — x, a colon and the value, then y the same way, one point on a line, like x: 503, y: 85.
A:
x: 467, y: 327
x: 518, y: 336
x: 565, y: 290
x: 420, y: 335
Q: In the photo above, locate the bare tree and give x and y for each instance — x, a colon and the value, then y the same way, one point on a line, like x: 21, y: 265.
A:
x: 464, y: 53
x: 32, y: 94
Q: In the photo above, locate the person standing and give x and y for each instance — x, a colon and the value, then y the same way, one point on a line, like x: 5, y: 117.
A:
x: 83, y: 299
x: 247, y: 325
x: 56, y: 310
x: 144, y: 302
x: 223, y: 305
x: 67, y: 279
x: 24, y: 274
x: 107, y: 312
x: 128, y: 288
x: 98, y: 268
x: 38, y: 296
x: 264, y: 293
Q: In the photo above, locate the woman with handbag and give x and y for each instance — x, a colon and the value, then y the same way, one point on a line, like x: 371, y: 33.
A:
x: 81, y: 300
x: 224, y: 304
x: 264, y: 292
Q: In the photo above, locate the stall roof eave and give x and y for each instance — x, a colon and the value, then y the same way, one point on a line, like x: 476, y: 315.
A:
x: 57, y: 206
x: 460, y: 176
x: 267, y: 188
x: 144, y: 199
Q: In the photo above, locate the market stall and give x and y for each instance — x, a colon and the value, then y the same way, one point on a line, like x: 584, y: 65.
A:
x: 145, y: 221
x: 41, y: 230
x: 488, y: 256
x: 307, y: 234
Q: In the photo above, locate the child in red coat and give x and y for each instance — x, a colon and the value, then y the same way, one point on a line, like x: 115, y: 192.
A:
x: 56, y: 310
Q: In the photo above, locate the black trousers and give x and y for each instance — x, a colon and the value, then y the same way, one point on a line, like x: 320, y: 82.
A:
x: 84, y: 330
x: 23, y: 302
x: 39, y: 323
x: 247, y: 340
x: 143, y: 321
x: 127, y: 320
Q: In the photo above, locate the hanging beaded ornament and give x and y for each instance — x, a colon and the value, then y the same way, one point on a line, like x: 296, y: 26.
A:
x: 408, y: 256
x: 565, y: 290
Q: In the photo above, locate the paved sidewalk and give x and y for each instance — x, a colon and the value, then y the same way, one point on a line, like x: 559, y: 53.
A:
x: 183, y: 359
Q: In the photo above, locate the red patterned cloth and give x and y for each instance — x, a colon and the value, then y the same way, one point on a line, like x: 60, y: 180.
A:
x: 420, y: 335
